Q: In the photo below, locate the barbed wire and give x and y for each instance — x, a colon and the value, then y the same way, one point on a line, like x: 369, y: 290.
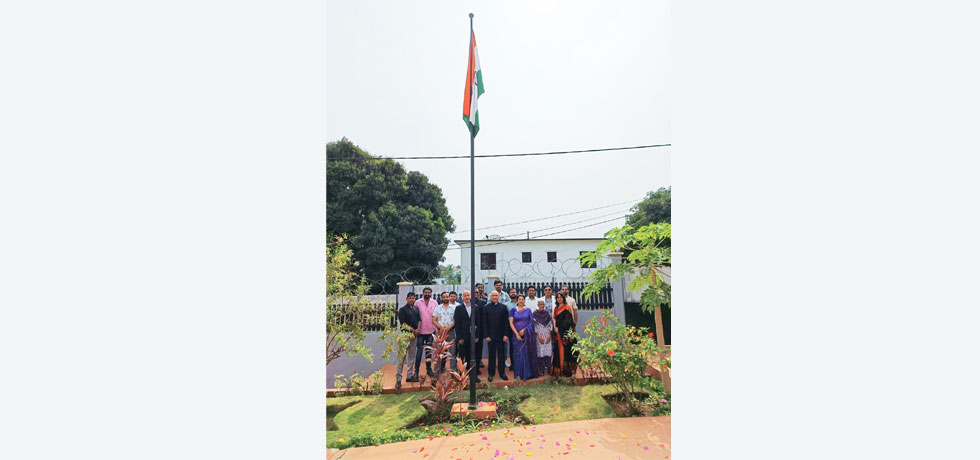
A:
x: 507, y: 270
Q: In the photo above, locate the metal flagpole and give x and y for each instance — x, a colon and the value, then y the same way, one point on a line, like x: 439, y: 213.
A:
x: 474, y: 360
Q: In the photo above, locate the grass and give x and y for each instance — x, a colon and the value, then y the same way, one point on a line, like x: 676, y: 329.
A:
x: 573, y: 402
x: 374, y: 414
x: 380, y: 419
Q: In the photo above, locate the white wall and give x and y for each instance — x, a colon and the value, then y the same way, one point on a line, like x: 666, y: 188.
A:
x: 511, y: 267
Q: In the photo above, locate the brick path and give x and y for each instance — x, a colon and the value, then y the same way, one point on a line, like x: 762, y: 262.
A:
x: 608, y: 438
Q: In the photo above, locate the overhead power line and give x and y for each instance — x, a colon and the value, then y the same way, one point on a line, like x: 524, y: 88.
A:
x: 500, y: 155
x: 566, y: 225
x: 458, y: 246
x: 549, y: 217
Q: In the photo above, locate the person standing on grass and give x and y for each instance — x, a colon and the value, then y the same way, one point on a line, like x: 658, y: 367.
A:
x: 408, y: 315
x: 465, y: 315
x: 426, y: 306
x: 564, y: 361
x: 544, y: 325
x: 571, y: 302
x: 495, y: 326
x: 522, y: 326
x: 442, y: 319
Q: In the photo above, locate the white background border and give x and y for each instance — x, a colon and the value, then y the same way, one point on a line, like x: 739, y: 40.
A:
x: 162, y: 250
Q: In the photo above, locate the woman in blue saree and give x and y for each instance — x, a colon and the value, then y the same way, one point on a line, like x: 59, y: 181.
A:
x: 525, y: 341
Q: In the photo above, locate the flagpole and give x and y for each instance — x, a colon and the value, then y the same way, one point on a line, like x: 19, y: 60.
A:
x: 474, y: 360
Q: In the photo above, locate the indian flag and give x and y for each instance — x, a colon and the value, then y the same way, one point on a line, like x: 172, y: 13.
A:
x: 474, y: 88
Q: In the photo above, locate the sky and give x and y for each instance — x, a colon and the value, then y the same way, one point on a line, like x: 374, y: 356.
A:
x: 558, y: 76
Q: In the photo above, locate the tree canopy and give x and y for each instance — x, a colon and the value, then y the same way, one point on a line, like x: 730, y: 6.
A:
x: 396, y: 219
x: 654, y: 209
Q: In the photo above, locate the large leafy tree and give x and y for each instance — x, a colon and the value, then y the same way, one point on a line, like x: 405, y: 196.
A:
x: 397, y: 220
x: 653, y: 209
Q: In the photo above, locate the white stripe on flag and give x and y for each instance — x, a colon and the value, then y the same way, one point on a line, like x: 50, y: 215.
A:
x: 474, y: 97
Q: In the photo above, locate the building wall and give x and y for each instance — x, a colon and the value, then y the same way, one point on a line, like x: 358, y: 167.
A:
x: 510, y: 265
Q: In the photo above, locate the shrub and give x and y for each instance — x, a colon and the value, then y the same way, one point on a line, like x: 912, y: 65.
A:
x: 621, y: 351
x: 447, y: 385
x: 377, y: 382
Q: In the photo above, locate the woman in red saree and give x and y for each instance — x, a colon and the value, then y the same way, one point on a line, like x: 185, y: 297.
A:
x: 564, y: 361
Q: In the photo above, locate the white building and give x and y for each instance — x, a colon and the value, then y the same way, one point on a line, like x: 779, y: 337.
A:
x: 529, y: 260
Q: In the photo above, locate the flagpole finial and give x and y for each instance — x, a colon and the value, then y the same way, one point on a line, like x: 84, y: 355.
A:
x: 471, y: 15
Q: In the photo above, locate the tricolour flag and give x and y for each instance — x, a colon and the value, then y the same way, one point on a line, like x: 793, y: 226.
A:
x: 474, y: 88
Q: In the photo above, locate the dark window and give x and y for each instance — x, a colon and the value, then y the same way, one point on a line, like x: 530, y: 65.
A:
x: 526, y: 257
x: 585, y: 265
x: 488, y: 261
x: 552, y: 256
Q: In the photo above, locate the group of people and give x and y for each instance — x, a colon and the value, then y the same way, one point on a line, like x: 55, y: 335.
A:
x: 523, y: 332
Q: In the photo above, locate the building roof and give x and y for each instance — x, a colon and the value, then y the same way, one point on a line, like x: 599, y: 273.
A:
x: 525, y: 239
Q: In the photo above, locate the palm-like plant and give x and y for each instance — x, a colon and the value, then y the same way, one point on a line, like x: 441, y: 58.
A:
x: 447, y: 386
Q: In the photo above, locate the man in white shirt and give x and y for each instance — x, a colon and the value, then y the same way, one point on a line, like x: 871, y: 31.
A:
x: 442, y: 319
x: 549, y: 300
x: 531, y: 299
x: 571, y: 302
x: 452, y: 299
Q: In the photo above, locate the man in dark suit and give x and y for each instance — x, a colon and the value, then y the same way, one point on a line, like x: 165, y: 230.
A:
x: 496, y: 323
x: 466, y: 314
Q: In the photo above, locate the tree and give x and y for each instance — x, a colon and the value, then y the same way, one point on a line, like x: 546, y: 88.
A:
x: 350, y: 311
x: 451, y: 273
x: 397, y: 220
x: 647, y: 254
x: 653, y: 209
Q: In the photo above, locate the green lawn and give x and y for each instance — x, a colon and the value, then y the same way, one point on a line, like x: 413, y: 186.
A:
x: 374, y: 414
x: 573, y: 402
x: 377, y: 419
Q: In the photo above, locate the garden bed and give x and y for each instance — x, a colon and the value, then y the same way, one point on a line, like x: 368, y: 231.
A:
x: 382, y: 419
x: 650, y: 405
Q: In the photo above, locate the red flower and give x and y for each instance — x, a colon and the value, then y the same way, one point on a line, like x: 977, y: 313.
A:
x: 650, y: 335
x: 603, y: 320
x: 611, y: 352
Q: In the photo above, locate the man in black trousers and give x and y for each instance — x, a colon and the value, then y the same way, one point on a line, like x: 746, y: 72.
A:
x: 496, y: 323
x: 466, y: 314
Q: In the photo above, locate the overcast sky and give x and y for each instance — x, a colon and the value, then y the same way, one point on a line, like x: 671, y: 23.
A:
x: 558, y: 76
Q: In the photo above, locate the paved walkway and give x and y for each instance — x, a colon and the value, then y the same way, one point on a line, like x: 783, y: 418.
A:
x: 607, y: 438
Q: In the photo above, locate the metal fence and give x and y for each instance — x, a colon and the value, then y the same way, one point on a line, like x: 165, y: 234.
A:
x: 373, y: 318
x: 602, y: 300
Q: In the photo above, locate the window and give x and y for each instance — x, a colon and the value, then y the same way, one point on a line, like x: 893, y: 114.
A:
x: 552, y: 256
x: 585, y: 265
x: 526, y: 257
x: 488, y: 261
